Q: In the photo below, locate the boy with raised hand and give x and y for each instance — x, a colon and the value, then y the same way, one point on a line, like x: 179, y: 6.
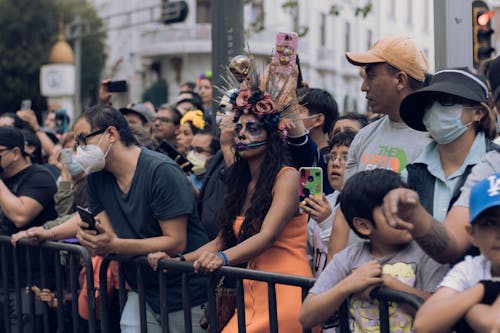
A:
x: 389, y: 258
x: 470, y: 290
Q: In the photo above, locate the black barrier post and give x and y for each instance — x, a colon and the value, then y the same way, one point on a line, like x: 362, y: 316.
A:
x: 186, y: 304
x: 74, y: 295
x: 103, y: 293
x: 383, y: 312
x: 5, y: 286
x: 142, y: 300
x: 44, y: 284
x: 17, y: 292
x: 163, y: 304
x: 212, y: 304
x: 240, y: 306
x: 29, y: 291
x: 273, y: 311
x: 122, y: 291
x: 59, y: 292
x: 344, y: 317
x: 305, y: 291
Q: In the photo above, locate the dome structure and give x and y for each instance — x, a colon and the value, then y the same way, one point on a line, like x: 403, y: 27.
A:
x: 61, y: 52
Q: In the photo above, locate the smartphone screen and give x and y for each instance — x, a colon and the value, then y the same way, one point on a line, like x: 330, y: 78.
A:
x: 285, y: 52
x: 86, y: 217
x: 311, y: 182
x: 26, y: 104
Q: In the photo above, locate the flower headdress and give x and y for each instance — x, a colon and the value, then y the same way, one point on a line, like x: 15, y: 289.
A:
x: 270, y: 97
x: 195, y: 117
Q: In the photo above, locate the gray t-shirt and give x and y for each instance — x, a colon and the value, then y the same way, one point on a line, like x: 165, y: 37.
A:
x: 489, y: 166
x: 384, y: 144
x: 410, y: 265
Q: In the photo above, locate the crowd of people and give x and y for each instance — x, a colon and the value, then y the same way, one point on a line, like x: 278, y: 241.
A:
x: 411, y: 194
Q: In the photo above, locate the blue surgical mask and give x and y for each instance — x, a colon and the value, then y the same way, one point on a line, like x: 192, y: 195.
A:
x: 444, y: 123
x: 75, y: 168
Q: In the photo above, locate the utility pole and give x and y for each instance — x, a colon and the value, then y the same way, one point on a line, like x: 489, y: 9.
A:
x: 452, y: 33
x: 228, y: 39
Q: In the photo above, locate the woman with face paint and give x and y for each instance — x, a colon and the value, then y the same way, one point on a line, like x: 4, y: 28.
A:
x: 454, y: 109
x: 261, y: 227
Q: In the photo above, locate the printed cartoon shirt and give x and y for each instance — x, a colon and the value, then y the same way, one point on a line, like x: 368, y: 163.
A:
x: 410, y: 265
x: 384, y: 144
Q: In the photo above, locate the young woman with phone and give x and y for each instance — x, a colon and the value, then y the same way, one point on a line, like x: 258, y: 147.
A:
x: 261, y: 226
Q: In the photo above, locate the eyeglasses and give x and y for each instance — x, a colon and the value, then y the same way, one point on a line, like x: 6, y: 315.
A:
x: 331, y: 158
x: 81, y: 140
x: 252, y: 128
x: 164, y: 120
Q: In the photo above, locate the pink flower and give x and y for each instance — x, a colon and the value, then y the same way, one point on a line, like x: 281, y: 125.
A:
x: 265, y: 105
x: 242, y: 99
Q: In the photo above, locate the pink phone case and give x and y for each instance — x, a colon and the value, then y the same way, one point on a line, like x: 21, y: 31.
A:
x: 285, y: 53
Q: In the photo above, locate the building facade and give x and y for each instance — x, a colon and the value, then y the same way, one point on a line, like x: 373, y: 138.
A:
x: 329, y: 27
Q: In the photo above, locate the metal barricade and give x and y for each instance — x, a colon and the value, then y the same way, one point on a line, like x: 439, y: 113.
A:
x: 44, y: 251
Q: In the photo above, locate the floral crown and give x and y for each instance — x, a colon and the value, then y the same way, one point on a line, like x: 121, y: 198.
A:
x: 195, y: 117
x: 268, y: 97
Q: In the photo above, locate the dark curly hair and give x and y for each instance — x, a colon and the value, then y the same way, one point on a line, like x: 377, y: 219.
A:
x: 237, y: 181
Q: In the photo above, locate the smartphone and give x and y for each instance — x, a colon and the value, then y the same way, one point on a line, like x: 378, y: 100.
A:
x: 26, y: 104
x: 285, y: 52
x: 311, y: 182
x: 86, y: 217
x: 66, y: 156
x: 167, y: 149
x: 117, y: 86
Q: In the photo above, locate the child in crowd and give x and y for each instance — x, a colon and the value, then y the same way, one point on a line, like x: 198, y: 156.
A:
x: 389, y: 258
x: 322, y: 210
x: 470, y: 290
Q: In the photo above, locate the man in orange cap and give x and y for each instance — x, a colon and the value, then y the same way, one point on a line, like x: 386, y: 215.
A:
x: 394, y: 68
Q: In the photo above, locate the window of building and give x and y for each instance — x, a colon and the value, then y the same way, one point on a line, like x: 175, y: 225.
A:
x: 369, y: 38
x: 203, y: 11
x: 323, y: 30
x: 347, y: 37
x: 409, y: 12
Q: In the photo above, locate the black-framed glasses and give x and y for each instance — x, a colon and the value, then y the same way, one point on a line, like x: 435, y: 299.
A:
x: 331, y: 158
x: 81, y: 140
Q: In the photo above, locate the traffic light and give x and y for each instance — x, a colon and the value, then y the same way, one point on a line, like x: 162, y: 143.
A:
x: 173, y: 11
x: 482, y: 31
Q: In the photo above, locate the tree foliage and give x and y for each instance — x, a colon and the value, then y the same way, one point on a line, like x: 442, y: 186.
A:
x: 28, y: 30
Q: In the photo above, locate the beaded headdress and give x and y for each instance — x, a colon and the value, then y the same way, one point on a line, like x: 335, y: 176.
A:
x: 270, y: 96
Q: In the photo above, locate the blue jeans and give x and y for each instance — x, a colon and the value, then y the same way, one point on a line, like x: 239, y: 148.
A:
x: 130, y: 321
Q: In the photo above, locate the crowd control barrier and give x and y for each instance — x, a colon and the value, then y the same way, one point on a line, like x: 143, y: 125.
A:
x: 54, y: 250
x: 25, y: 261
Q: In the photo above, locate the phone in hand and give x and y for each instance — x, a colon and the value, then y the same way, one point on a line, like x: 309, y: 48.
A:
x: 86, y: 217
x: 117, y: 86
x: 26, y: 104
x: 66, y: 156
x: 311, y: 182
x: 167, y: 149
x: 285, y: 52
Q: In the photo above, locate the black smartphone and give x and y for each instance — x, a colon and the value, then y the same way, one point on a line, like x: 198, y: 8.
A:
x: 167, y: 149
x: 117, y: 86
x: 86, y: 217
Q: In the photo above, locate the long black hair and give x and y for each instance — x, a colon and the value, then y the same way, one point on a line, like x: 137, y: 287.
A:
x: 237, y: 186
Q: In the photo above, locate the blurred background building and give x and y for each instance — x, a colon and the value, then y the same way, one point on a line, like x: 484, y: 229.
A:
x: 142, y: 53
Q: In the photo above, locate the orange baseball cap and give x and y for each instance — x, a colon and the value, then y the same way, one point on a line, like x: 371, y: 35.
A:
x: 398, y: 51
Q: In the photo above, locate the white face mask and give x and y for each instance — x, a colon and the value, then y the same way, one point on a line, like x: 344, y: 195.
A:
x: 92, y: 158
x: 199, y: 162
x: 444, y: 123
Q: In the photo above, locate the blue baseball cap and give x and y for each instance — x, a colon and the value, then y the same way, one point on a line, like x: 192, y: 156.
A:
x: 484, y: 195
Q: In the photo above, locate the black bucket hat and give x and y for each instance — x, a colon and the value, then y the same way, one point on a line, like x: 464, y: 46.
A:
x: 460, y: 82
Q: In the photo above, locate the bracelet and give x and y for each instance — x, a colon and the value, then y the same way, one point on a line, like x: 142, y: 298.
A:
x: 491, y: 291
x: 181, y: 257
x: 224, y: 258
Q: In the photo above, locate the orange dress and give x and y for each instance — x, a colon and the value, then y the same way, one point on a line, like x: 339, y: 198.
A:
x: 286, y: 256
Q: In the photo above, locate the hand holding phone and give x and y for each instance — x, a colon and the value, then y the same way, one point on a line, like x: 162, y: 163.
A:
x: 311, y: 182
x: 285, y: 52
x: 26, y: 104
x: 171, y: 152
x: 87, y: 217
x: 66, y: 156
